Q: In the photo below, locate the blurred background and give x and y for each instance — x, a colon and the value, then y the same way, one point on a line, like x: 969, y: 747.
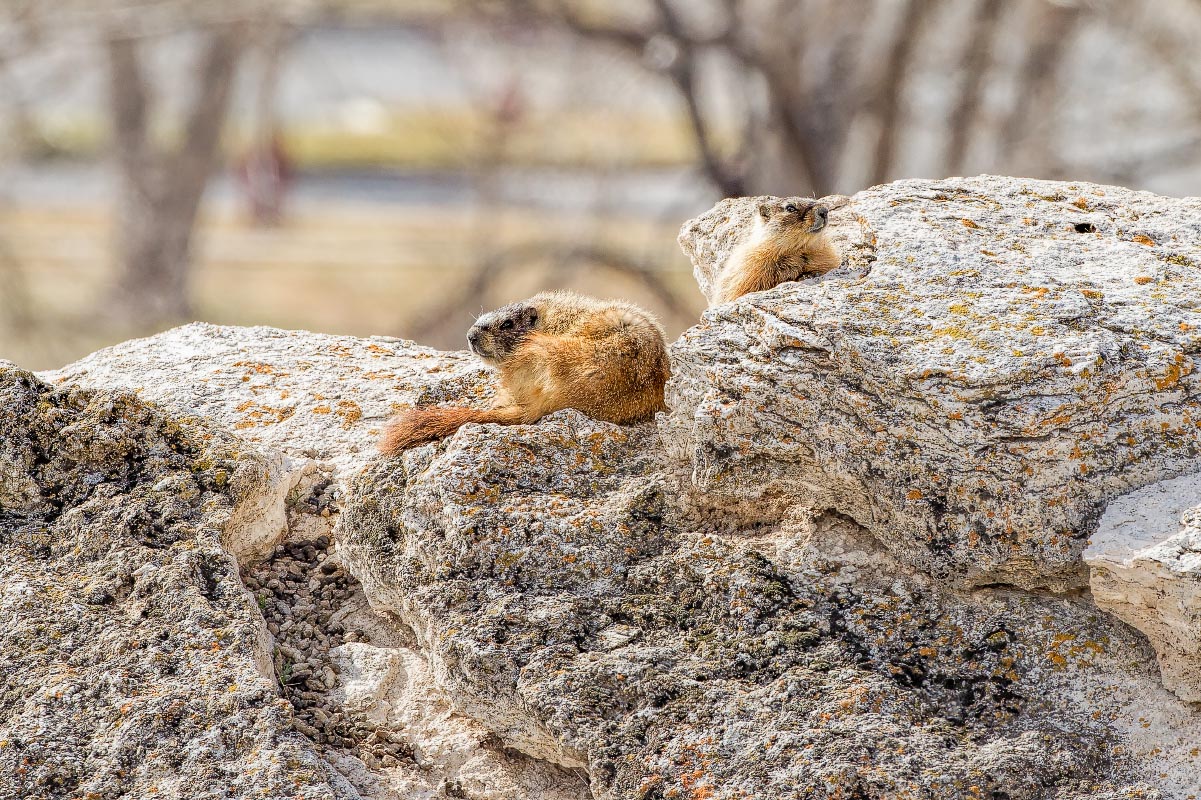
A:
x: 376, y: 167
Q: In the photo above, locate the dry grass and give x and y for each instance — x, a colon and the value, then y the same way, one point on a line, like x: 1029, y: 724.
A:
x: 445, y: 138
x: 358, y: 271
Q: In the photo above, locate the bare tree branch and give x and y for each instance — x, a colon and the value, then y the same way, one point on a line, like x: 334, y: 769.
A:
x: 683, y: 72
x: 975, y: 63
x: 160, y: 189
x: 891, y: 87
x: 1052, y: 32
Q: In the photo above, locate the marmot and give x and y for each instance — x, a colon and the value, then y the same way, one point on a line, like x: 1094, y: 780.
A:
x: 788, y: 241
x: 553, y: 351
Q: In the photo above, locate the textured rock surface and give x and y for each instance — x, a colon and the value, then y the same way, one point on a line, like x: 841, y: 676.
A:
x: 308, y: 407
x: 311, y: 404
x: 132, y: 662
x: 773, y: 592
x: 308, y: 395
x: 1017, y: 353
x: 570, y: 608
x: 1146, y: 568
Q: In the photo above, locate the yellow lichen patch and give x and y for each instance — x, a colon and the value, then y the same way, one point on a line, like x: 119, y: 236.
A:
x: 262, y: 415
x: 1172, y: 374
x: 375, y: 348
x: 258, y: 367
x: 350, y: 412
x: 1143, y: 280
x: 967, y: 223
x: 321, y: 409
x: 1143, y: 239
x: 914, y: 494
x: 1081, y: 203
x: 1092, y: 294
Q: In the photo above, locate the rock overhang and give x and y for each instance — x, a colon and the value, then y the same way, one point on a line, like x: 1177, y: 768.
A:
x: 997, y: 359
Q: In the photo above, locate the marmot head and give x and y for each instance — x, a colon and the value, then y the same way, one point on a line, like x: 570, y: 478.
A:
x: 794, y: 214
x: 496, y: 334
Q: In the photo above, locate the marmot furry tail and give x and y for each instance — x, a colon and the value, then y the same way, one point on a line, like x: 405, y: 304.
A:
x: 420, y: 425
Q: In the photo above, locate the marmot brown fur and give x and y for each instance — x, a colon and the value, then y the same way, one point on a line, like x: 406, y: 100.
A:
x: 553, y: 351
x: 788, y: 242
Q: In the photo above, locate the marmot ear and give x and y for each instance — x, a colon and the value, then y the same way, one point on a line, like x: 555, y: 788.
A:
x: 765, y: 210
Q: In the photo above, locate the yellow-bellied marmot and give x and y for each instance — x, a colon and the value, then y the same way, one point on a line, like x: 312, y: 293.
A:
x: 553, y: 351
x: 788, y: 241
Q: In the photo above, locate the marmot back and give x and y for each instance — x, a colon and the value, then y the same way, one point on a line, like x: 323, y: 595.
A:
x: 556, y: 350
x: 788, y: 242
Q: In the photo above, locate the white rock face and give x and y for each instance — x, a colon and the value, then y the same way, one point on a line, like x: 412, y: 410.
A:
x: 307, y: 402
x: 1017, y: 353
x: 1146, y: 569
x: 394, y: 687
x: 574, y: 609
x: 310, y: 396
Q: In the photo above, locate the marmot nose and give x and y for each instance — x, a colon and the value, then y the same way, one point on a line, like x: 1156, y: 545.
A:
x: 821, y: 215
x: 473, y: 337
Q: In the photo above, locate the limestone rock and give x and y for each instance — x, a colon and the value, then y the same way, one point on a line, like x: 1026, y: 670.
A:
x: 307, y: 395
x: 1016, y: 353
x: 133, y: 662
x: 776, y: 590
x: 572, y: 607
x: 306, y: 402
x: 309, y: 408
x: 1146, y: 569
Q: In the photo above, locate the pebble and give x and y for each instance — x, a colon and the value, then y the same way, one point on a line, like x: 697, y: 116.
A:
x: 303, y: 591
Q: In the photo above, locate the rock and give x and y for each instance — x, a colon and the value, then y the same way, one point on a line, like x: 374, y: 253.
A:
x: 394, y: 689
x: 311, y: 404
x: 788, y: 662
x: 1146, y: 569
x: 134, y: 662
x: 309, y: 396
x: 1017, y: 353
x: 744, y: 599
x: 366, y: 674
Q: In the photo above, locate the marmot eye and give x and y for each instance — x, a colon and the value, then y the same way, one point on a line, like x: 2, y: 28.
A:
x: 790, y: 208
x: 506, y: 325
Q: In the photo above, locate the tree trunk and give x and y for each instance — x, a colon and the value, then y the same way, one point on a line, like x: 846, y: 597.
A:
x: 160, y: 190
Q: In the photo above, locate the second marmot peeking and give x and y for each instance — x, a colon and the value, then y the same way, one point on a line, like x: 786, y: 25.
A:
x: 788, y: 242
x: 553, y: 351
